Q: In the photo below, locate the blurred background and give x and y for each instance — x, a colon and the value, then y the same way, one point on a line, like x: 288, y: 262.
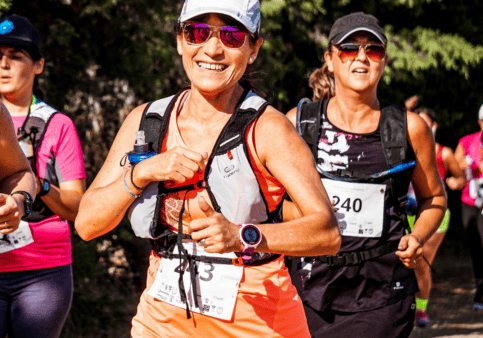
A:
x: 105, y: 57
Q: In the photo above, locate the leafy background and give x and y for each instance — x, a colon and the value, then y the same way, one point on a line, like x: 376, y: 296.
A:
x: 104, y: 57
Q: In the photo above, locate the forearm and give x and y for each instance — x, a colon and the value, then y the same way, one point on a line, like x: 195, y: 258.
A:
x: 102, y: 209
x: 312, y: 235
x: 21, y: 181
x: 429, y: 216
x: 64, y: 203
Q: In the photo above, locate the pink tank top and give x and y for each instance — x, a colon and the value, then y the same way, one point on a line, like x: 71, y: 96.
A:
x: 472, y: 146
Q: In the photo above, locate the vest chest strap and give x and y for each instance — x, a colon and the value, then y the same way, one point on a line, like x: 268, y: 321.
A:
x: 353, y: 258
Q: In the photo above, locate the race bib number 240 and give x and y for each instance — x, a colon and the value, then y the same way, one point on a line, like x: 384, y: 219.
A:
x: 359, y: 207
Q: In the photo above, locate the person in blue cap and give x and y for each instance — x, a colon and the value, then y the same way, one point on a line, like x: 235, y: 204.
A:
x: 36, y: 283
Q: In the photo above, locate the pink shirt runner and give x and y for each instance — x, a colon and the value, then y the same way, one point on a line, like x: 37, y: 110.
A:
x: 52, y: 246
x: 471, y: 145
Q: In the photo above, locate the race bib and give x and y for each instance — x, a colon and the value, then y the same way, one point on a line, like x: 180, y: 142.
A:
x: 217, y: 284
x: 17, y: 239
x: 359, y: 207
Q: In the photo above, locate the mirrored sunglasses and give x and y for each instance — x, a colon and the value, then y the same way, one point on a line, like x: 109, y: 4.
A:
x: 196, y: 33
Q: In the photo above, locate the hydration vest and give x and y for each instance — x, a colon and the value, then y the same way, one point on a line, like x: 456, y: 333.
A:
x: 35, y: 125
x: 229, y: 180
x: 393, y: 129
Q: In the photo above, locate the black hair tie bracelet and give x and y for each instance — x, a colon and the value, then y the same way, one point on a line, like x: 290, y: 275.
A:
x: 132, y: 178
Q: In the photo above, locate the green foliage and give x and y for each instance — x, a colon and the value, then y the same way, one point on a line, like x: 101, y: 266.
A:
x: 5, y: 6
x: 414, y: 51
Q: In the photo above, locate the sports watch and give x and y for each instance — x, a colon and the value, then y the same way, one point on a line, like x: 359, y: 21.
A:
x: 28, y: 202
x: 250, y: 237
x: 44, y: 187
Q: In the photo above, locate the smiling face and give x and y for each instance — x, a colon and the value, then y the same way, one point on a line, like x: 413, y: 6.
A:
x: 360, y: 75
x: 211, y: 67
x: 17, y: 71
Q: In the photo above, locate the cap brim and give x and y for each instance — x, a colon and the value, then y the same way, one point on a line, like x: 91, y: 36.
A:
x: 377, y: 35
x: 206, y: 10
x: 5, y: 40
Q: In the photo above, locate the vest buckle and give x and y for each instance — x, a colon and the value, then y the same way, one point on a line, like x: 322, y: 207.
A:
x: 237, y: 261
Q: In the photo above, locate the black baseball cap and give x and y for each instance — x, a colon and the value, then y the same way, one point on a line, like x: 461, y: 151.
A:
x: 16, y: 30
x: 355, y: 22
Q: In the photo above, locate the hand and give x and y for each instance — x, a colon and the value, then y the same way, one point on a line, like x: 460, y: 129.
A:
x: 10, y: 214
x: 177, y: 165
x: 220, y: 235
x: 453, y: 183
x: 410, y: 250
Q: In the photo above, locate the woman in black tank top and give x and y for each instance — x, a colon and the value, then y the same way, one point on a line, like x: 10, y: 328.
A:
x: 367, y: 290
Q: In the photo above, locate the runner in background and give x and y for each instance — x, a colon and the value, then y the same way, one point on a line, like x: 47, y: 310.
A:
x: 210, y: 197
x: 36, y: 273
x: 468, y: 153
x: 447, y: 164
x: 360, y: 144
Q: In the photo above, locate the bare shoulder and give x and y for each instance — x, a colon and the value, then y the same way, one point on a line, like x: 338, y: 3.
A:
x: 447, y: 152
x: 416, y: 125
x: 136, y: 114
x: 273, y: 123
x: 292, y: 115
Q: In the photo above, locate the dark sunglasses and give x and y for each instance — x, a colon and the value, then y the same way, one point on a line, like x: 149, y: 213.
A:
x: 349, y: 52
x: 196, y: 33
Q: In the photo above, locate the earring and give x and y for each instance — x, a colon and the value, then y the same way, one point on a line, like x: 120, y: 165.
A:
x: 251, y: 60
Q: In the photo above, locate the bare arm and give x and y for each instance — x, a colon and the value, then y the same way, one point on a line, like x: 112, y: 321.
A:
x: 64, y: 200
x: 106, y: 201
x: 428, y: 188
x: 290, y: 161
x: 459, y: 156
x: 290, y: 210
x: 15, y: 175
x: 457, y: 181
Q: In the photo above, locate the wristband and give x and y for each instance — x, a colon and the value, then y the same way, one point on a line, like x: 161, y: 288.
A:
x: 44, y: 187
x: 126, y: 187
x: 27, y: 203
x: 132, y: 178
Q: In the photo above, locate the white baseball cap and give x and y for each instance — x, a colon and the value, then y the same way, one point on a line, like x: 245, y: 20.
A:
x: 246, y: 12
x: 480, y: 113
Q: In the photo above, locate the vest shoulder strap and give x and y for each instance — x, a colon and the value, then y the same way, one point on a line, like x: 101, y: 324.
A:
x: 308, y: 122
x: 155, y: 121
x: 251, y: 106
x: 37, y: 122
x: 393, y: 127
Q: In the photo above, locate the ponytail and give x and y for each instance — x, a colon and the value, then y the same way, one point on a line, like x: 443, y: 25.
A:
x: 323, y: 84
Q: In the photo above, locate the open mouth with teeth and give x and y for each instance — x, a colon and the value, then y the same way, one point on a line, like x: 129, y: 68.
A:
x: 360, y: 71
x: 212, y: 66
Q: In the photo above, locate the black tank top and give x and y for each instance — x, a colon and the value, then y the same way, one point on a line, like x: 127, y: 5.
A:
x: 373, y: 283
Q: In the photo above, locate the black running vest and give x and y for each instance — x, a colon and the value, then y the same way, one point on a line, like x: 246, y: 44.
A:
x: 362, y: 284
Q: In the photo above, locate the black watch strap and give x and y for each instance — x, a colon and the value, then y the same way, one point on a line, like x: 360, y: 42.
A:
x: 28, y: 201
x: 44, y: 187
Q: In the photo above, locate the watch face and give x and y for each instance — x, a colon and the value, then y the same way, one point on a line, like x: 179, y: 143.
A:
x: 251, y: 235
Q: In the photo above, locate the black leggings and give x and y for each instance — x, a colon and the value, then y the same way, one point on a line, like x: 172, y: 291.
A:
x: 472, y: 220
x: 35, y: 303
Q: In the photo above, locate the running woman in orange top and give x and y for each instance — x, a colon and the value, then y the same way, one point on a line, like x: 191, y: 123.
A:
x: 210, y: 199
